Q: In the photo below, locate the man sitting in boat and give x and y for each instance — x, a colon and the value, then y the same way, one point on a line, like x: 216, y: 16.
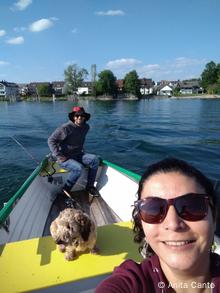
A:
x: 66, y: 144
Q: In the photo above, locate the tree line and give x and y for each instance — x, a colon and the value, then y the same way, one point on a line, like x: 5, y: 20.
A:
x: 105, y: 85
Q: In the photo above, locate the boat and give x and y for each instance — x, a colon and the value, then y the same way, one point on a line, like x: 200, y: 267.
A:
x: 30, y: 259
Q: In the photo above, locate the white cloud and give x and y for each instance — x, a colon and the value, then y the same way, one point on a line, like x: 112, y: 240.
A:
x: 110, y: 13
x: 40, y: 25
x: 2, y: 33
x: 15, y: 41
x: 151, y: 67
x: 148, y: 70
x: 3, y: 63
x: 21, y: 4
x: 184, y: 61
x: 53, y: 18
x: 70, y: 62
x: 74, y: 31
x: 178, y: 68
x: 122, y: 63
x: 19, y: 29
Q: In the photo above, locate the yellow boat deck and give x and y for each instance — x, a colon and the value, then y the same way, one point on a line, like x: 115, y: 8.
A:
x: 37, y: 263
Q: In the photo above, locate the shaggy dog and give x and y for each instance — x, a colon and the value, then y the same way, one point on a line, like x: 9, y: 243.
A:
x: 74, y: 232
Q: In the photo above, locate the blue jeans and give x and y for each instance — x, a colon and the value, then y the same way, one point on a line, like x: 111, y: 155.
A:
x: 75, y: 166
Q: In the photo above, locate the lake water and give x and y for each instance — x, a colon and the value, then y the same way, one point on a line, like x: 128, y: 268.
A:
x: 132, y: 134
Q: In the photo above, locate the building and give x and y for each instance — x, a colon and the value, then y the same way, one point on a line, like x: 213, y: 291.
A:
x: 23, y: 89
x: 85, y: 88
x: 120, y: 85
x: 32, y: 87
x: 9, y: 91
x: 58, y: 88
x: 190, y: 87
x: 164, y: 90
x: 146, y: 86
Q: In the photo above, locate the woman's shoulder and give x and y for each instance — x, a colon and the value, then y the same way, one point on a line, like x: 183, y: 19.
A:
x: 215, y: 264
x: 131, y: 277
x: 215, y: 271
x: 147, y: 265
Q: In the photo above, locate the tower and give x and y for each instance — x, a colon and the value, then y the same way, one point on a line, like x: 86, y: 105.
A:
x: 93, y: 73
x: 93, y: 78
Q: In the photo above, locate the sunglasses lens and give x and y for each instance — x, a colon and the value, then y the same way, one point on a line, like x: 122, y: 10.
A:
x: 153, y: 210
x: 191, y: 207
x: 77, y: 115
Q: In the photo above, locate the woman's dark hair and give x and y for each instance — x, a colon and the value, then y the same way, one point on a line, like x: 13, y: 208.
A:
x: 165, y: 166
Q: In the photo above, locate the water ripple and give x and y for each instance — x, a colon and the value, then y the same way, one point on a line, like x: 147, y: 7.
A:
x: 132, y: 134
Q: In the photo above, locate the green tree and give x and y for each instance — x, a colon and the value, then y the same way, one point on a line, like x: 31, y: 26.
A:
x: 44, y: 90
x: 74, y: 76
x: 106, y: 83
x: 210, y: 74
x: 131, y: 83
x: 218, y: 73
x: 213, y: 88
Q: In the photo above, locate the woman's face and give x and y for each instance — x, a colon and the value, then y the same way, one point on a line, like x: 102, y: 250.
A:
x: 180, y: 245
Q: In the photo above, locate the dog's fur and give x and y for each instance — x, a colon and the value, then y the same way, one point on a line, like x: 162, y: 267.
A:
x: 74, y: 232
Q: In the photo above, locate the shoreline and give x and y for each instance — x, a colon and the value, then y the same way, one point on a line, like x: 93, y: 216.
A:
x: 107, y: 98
x: 204, y: 96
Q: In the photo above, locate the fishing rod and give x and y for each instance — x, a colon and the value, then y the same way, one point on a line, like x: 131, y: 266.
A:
x: 72, y: 203
x: 50, y: 179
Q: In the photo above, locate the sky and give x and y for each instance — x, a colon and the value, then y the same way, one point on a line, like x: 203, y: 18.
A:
x: 160, y: 39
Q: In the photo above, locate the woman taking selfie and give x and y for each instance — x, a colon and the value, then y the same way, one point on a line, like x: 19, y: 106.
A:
x: 174, y: 223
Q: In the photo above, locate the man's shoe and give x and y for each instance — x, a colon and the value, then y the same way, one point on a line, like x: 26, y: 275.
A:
x: 93, y: 191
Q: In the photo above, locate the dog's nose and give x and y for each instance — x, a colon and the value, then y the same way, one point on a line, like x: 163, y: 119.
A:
x: 59, y: 242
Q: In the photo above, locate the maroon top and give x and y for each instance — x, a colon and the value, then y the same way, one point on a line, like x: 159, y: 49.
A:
x: 148, y: 277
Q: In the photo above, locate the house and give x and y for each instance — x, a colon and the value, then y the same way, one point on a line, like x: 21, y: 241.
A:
x: 146, y: 86
x: 32, y: 87
x: 171, y: 83
x: 120, y: 85
x: 190, y: 87
x: 23, y: 89
x: 164, y: 90
x: 58, y: 87
x: 85, y: 88
x: 9, y: 91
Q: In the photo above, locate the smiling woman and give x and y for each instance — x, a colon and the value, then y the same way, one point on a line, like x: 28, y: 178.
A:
x: 174, y: 222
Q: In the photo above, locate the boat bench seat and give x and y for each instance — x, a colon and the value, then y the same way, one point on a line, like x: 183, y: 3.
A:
x: 44, y: 266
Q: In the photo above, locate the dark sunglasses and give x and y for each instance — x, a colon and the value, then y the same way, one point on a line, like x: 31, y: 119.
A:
x: 79, y: 115
x: 190, y: 207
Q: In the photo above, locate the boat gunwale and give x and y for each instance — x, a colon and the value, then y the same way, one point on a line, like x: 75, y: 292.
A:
x: 6, y: 210
x: 136, y: 177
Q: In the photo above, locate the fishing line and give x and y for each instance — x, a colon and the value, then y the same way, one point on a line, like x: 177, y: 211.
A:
x: 33, y: 158
x: 26, y: 151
